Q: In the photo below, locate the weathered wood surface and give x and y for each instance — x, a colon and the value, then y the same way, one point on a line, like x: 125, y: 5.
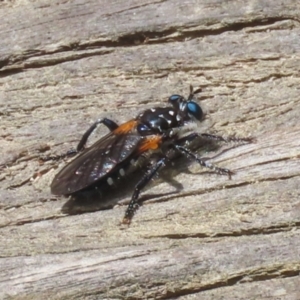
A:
x: 66, y: 63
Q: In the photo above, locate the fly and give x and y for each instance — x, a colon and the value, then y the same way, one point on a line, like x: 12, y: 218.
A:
x: 155, y: 130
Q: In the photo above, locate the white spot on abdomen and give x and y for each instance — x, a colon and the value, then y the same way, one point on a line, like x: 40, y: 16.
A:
x: 110, y: 181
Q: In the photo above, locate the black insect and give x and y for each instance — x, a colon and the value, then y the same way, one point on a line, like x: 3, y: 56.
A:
x: 156, y: 130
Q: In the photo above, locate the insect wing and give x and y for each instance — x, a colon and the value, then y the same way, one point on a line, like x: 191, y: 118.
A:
x: 95, y: 162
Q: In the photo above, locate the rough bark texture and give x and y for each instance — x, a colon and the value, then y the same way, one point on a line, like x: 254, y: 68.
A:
x: 66, y: 63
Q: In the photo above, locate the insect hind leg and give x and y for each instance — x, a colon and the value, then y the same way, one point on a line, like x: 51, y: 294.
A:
x: 111, y: 125
x: 133, y: 204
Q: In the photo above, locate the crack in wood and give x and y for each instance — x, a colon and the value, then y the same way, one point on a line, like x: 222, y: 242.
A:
x: 251, y: 275
x: 16, y: 64
x: 243, y: 232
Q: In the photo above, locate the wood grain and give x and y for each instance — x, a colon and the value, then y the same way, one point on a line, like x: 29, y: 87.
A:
x: 63, y: 64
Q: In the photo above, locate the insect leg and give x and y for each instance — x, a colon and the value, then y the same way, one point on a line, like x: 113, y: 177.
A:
x: 133, y: 204
x: 202, y: 162
x: 225, y: 139
x: 193, y: 93
x: 111, y: 125
x: 69, y: 153
x: 213, y: 137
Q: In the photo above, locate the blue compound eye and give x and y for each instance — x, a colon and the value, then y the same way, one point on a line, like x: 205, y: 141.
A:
x: 194, y: 110
x: 174, y: 99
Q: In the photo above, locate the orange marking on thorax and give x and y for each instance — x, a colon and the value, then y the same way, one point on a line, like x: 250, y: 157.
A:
x: 150, y: 143
x: 126, y: 127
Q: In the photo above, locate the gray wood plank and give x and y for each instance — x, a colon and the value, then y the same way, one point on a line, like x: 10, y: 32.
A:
x: 63, y: 64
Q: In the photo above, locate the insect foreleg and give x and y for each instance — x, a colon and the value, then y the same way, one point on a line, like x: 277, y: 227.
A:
x: 213, y: 137
x: 185, y: 151
x: 229, y: 139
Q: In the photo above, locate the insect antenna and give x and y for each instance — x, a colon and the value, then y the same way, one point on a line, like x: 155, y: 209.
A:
x: 193, y: 93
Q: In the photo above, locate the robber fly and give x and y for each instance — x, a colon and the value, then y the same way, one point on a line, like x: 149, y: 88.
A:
x: 154, y: 130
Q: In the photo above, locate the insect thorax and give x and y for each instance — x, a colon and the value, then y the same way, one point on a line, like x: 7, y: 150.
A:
x: 159, y: 120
